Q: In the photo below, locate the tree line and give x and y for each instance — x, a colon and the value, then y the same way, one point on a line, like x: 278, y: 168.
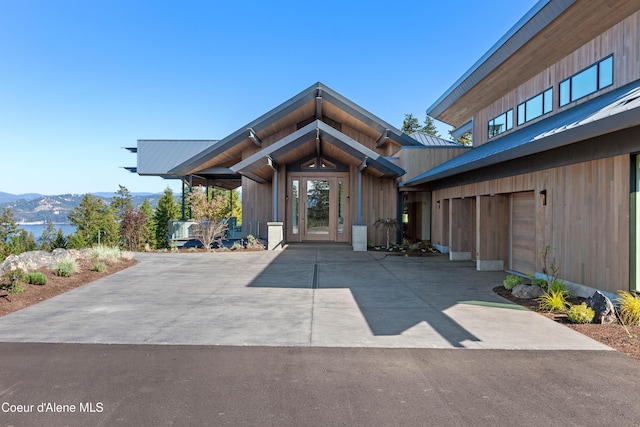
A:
x: 114, y: 224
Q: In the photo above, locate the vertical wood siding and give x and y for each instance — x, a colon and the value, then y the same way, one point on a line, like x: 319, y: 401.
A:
x: 621, y: 41
x: 585, y: 221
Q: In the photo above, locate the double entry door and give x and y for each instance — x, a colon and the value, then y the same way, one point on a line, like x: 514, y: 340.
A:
x: 317, y: 207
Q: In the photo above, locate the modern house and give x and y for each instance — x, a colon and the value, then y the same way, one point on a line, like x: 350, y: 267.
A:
x: 554, y: 112
x: 315, y: 168
x: 554, y: 109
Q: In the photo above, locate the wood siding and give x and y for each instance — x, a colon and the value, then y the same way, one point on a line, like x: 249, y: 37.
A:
x: 417, y: 160
x: 585, y: 221
x: 621, y: 41
x: 581, y: 23
x: 523, y: 232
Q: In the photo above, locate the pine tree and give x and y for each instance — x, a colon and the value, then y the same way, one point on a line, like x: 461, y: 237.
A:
x: 430, y: 127
x: 121, y: 201
x: 464, y: 139
x: 147, y: 211
x: 47, y: 237
x: 91, y: 217
x: 166, y: 210
x: 410, y: 124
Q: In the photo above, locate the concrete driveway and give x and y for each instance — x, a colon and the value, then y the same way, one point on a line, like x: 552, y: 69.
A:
x: 306, y: 295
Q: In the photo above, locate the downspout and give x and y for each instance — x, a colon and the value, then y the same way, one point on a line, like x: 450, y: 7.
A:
x: 362, y: 166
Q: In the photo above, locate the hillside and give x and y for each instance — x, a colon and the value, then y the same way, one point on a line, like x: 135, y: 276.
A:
x: 41, y: 208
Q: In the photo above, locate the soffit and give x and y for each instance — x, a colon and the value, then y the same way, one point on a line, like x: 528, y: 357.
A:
x: 536, y: 46
x: 321, y: 139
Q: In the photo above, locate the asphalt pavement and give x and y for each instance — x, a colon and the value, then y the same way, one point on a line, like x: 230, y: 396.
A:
x: 310, y: 336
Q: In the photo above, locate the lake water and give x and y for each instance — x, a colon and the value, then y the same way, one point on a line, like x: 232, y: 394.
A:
x: 37, y: 229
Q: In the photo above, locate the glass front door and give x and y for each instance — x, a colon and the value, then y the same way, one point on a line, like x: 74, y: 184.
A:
x: 318, y: 219
x: 317, y: 208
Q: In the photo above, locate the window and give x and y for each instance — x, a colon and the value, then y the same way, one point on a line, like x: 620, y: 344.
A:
x: 502, y: 123
x: 537, y: 106
x: 596, y: 77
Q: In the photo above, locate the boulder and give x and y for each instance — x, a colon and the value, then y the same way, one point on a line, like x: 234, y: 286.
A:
x: 527, y: 291
x: 29, y: 261
x: 605, y: 311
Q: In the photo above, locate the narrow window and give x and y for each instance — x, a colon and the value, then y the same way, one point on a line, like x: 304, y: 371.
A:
x: 548, y: 101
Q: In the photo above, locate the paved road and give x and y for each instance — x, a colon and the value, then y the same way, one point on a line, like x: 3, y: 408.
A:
x: 150, y: 385
x: 306, y: 337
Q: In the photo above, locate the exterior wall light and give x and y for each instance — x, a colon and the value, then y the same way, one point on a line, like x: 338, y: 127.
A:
x: 543, y: 197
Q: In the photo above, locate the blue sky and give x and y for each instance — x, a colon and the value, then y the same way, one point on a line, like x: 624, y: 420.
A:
x: 81, y: 79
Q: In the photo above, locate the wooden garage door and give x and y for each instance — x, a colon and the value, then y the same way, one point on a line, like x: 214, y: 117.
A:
x: 523, y: 232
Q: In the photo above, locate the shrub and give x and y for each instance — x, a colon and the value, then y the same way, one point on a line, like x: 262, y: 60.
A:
x: 629, y: 310
x: 253, y: 243
x: 13, y: 280
x: 553, y: 301
x: 36, y: 278
x: 236, y: 246
x: 559, y: 286
x: 99, y: 266
x: 512, y: 281
x: 580, y: 314
x: 106, y: 254
x: 66, y: 268
x: 536, y: 281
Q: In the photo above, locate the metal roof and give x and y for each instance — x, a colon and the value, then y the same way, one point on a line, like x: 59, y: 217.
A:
x: 536, y: 19
x: 318, y: 90
x: 434, y: 141
x: 613, y: 111
x: 159, y: 157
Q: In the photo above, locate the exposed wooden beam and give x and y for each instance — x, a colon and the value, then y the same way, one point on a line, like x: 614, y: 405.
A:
x: 383, y: 138
x: 254, y: 137
x: 317, y: 142
x: 319, y: 107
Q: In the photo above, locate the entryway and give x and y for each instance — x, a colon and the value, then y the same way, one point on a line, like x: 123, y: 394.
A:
x: 317, y: 207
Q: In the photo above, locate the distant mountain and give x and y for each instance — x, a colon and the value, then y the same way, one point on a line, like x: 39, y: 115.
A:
x: 39, y: 208
x: 6, y: 197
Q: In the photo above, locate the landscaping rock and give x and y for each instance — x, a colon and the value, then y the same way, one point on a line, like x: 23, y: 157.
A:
x: 527, y: 291
x: 30, y: 261
x: 605, y: 311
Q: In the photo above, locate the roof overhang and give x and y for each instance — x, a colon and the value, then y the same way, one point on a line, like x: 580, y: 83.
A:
x: 314, y: 95
x: 525, y: 51
x: 315, y: 137
x: 611, y: 112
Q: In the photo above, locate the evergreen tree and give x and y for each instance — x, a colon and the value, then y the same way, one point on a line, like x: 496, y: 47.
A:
x: 410, y: 124
x: 8, y: 226
x: 464, y: 139
x: 8, y: 229
x: 47, y: 237
x: 166, y: 210
x: 430, y: 127
x: 60, y: 241
x: 121, y: 201
x: 90, y: 217
x: 147, y: 211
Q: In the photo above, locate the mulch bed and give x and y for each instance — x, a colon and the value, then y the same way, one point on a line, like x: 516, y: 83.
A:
x: 615, y: 336
x: 56, y: 285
